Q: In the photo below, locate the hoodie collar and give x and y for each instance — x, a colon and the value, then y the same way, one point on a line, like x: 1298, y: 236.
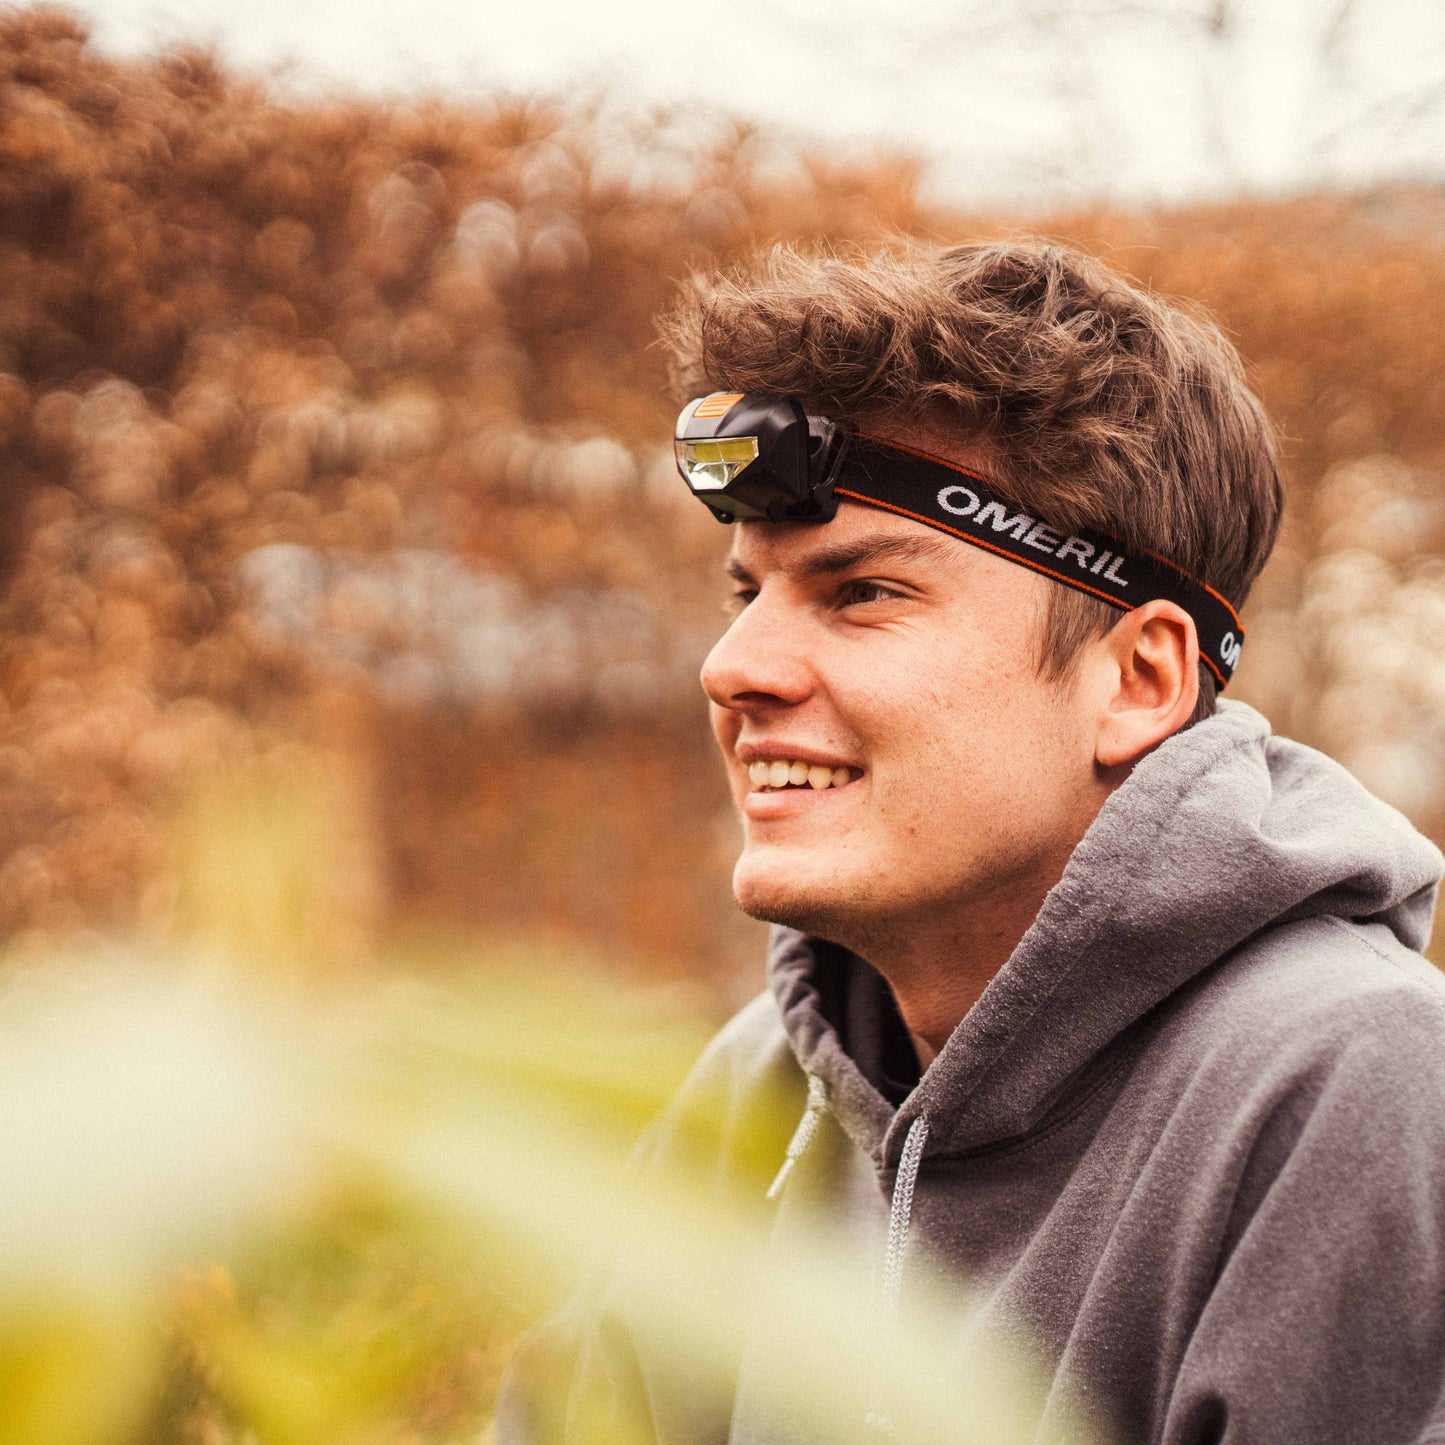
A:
x: 1223, y: 830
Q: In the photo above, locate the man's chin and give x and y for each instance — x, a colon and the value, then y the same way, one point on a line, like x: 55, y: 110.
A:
x: 791, y: 901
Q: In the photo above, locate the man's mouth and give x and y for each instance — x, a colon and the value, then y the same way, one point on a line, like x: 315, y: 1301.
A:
x: 773, y: 775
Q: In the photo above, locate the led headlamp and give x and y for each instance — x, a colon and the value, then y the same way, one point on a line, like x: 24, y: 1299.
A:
x: 759, y: 458
x: 751, y: 457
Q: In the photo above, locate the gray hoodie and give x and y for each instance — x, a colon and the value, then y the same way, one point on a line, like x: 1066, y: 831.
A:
x: 1192, y: 1136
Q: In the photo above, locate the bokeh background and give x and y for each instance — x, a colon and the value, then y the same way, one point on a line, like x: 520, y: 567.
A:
x: 334, y: 445
x: 336, y: 423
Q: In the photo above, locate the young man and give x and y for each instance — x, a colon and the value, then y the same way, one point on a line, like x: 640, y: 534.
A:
x: 1108, y: 1001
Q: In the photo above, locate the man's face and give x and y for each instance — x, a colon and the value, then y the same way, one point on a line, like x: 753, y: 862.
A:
x: 905, y: 664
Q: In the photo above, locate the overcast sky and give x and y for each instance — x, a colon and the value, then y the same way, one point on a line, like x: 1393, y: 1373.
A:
x: 1025, y: 101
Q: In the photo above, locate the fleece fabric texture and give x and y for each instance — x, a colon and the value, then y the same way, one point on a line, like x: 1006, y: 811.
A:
x: 1192, y: 1136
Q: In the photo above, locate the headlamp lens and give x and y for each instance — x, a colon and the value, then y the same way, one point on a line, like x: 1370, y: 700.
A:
x: 710, y: 465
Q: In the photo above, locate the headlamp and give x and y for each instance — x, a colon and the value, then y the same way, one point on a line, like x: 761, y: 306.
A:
x: 753, y: 457
x: 759, y: 458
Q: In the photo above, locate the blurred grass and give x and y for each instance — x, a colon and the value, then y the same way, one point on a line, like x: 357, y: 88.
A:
x: 252, y: 1201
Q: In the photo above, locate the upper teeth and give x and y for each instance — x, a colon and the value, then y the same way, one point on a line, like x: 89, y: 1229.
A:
x: 780, y: 772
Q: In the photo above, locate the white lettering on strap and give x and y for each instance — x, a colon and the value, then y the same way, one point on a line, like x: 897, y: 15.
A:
x: 1078, y: 549
x: 1039, y: 536
x: 963, y: 508
x: 996, y: 514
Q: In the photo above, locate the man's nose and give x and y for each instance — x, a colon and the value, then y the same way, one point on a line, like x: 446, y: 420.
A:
x: 759, y: 661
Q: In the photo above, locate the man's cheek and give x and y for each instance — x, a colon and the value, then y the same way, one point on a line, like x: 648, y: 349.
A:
x: 725, y: 728
x: 738, y: 784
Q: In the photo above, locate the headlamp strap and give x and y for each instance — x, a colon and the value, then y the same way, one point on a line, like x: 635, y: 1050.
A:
x: 964, y: 504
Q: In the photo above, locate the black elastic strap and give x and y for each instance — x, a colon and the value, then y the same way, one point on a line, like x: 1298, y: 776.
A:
x: 965, y: 504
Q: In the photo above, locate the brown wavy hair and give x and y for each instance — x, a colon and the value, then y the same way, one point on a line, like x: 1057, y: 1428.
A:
x: 1100, y: 404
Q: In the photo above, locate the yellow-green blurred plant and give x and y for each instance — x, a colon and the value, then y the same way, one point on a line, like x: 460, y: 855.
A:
x: 241, y: 1211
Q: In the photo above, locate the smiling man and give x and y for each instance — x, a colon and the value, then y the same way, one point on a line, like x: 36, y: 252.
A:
x: 906, y: 666
x: 1091, y: 991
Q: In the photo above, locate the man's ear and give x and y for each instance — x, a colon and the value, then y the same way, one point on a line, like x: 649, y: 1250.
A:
x: 1147, y: 670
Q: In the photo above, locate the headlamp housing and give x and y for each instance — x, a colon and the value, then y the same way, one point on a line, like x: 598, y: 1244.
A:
x: 758, y: 457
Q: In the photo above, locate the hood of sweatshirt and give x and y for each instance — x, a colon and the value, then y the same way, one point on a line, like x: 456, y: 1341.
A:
x: 1222, y: 831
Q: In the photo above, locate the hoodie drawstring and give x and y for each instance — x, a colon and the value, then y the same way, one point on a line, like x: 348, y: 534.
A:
x: 803, y: 1134
x: 900, y: 1210
x: 900, y: 1213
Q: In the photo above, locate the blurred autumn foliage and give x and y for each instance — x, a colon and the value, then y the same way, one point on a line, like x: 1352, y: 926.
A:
x: 338, y: 429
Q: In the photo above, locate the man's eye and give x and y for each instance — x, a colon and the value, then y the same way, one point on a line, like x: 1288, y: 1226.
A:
x: 739, y: 599
x: 863, y: 590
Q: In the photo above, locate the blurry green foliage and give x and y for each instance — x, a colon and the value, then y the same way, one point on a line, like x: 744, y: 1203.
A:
x: 250, y: 1202
x: 72, y: 1374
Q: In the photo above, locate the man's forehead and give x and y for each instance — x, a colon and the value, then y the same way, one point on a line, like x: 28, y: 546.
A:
x: 857, y: 536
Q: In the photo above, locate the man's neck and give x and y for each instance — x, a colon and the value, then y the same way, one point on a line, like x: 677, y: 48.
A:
x: 939, y: 966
